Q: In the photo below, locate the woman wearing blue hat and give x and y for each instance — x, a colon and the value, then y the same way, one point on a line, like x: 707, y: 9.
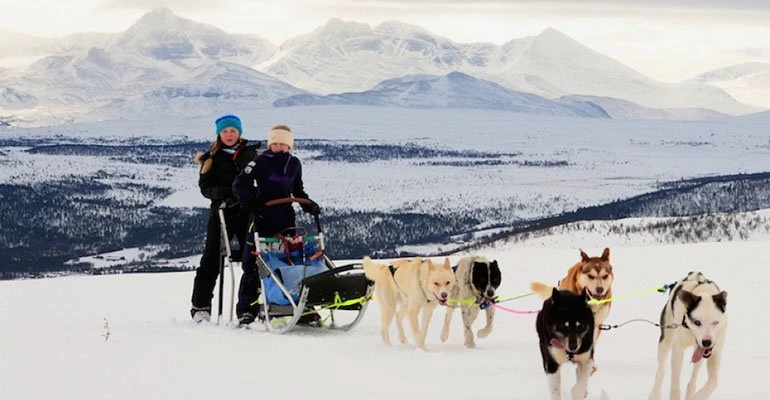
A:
x: 228, y: 155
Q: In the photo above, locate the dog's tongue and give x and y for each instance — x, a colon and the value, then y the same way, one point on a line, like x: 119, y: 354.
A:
x: 556, y: 343
x: 697, y: 354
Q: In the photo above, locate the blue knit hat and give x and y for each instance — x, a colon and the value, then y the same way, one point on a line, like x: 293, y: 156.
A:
x: 227, y: 121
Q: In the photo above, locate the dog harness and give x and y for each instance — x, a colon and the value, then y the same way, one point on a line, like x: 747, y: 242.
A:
x: 392, y: 270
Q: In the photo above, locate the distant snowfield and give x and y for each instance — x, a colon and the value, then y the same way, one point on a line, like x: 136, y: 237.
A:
x: 607, y: 159
x: 54, y: 345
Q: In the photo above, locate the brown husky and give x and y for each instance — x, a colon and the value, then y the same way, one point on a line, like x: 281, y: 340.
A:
x: 595, y: 275
x: 405, y: 288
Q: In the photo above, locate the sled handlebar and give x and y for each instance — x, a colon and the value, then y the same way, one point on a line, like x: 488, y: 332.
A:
x: 300, y: 201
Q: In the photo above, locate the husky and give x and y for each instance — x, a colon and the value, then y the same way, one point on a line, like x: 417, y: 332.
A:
x: 565, y: 327
x: 477, y: 279
x: 595, y: 275
x: 695, y: 316
x: 407, y: 287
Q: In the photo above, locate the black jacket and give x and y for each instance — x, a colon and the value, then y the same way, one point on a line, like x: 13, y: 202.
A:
x: 277, y: 175
x: 216, y: 179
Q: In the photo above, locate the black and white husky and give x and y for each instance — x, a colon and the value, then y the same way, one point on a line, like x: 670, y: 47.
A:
x: 565, y: 327
x: 477, y: 279
x: 695, y: 316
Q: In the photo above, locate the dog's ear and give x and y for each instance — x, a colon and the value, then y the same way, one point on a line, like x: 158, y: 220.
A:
x: 584, y: 294
x: 606, y: 254
x: 555, y: 295
x: 447, y: 264
x: 720, y: 300
x: 584, y: 256
x: 690, y: 300
x: 495, y: 276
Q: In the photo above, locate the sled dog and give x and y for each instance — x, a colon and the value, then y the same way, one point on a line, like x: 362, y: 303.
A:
x: 565, y: 328
x: 477, y: 280
x: 695, y: 316
x: 594, y: 274
x: 407, y: 287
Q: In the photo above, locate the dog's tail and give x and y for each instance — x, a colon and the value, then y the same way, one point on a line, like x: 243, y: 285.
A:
x: 371, y: 268
x: 541, y: 290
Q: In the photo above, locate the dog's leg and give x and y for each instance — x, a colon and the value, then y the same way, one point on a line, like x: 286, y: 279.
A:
x: 412, y: 313
x: 388, y: 311
x: 554, y: 385
x: 597, y: 332
x: 713, y: 374
x: 691, y: 385
x: 677, y: 354
x: 485, y: 331
x: 580, y: 390
x: 400, y: 314
x: 469, y: 315
x: 663, y: 348
x: 447, y: 321
x: 427, y: 314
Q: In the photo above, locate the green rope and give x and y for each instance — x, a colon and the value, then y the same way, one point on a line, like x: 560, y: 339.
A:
x: 661, y: 289
x: 498, y: 299
x: 337, y: 304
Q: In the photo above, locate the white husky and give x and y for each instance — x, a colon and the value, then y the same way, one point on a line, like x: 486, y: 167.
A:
x: 694, y: 315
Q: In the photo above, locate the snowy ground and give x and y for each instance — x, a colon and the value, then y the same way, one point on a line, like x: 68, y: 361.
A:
x: 53, y: 343
x: 607, y: 159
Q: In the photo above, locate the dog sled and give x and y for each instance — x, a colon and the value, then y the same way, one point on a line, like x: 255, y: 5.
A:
x: 299, y: 281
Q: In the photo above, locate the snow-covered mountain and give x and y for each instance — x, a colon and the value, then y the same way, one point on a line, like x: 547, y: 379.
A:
x: 748, y: 83
x: 212, y: 88
x: 166, y: 64
x: 162, y: 35
x: 158, y: 58
x: 18, y: 49
x: 454, y: 90
x: 623, y: 109
x: 350, y: 56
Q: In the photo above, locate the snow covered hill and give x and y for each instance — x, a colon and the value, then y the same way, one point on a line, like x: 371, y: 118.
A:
x: 623, y: 109
x: 154, y: 66
x: 107, y: 342
x: 349, y: 56
x: 454, y: 90
x: 162, y: 35
x: 748, y: 83
x: 212, y: 88
x: 160, y: 51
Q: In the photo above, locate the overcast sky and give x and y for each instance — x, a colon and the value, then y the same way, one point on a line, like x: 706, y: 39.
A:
x: 664, y: 39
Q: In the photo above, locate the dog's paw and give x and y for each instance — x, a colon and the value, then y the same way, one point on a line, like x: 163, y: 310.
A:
x: 444, y: 337
x: 470, y: 344
x: 579, y: 392
x: 594, y: 368
x: 484, y: 332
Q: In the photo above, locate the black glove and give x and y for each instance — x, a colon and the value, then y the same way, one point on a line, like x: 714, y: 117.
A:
x: 258, y: 207
x: 311, y: 208
x: 230, y: 202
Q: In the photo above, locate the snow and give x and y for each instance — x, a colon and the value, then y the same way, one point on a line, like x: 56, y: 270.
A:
x: 749, y: 83
x: 607, y: 159
x: 345, y: 56
x: 54, y: 343
x: 165, y: 65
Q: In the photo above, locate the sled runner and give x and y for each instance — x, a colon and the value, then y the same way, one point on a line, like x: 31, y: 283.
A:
x: 301, y: 284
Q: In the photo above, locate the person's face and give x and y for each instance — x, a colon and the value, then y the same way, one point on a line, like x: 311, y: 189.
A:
x: 229, y: 136
x: 279, y: 147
